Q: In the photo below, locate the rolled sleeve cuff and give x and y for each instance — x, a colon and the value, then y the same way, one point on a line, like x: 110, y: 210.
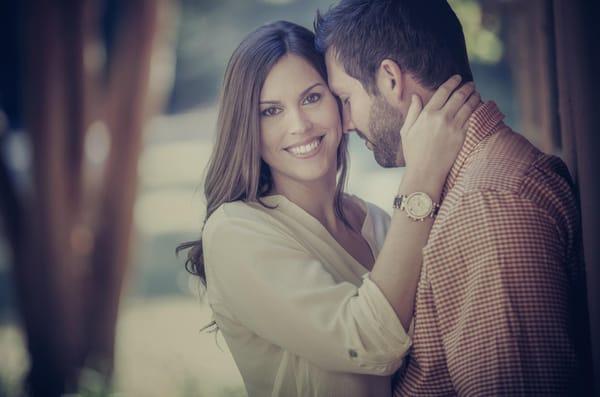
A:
x: 395, y: 341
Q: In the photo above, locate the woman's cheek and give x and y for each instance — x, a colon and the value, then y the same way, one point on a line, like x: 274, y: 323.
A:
x: 266, y: 144
x: 331, y: 114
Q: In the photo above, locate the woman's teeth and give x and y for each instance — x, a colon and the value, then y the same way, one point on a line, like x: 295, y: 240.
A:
x: 305, y: 149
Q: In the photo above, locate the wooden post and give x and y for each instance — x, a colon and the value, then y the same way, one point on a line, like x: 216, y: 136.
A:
x: 70, y: 238
x: 578, y: 83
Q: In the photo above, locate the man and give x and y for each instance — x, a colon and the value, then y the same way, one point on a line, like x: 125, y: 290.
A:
x: 498, y: 303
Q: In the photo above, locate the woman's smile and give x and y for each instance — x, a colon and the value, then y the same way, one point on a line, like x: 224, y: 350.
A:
x: 306, y: 149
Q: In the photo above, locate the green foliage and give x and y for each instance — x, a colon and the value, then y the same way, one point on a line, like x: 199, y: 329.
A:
x: 484, y: 44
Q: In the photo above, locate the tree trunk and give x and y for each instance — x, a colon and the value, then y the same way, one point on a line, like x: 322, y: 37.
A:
x: 70, y: 238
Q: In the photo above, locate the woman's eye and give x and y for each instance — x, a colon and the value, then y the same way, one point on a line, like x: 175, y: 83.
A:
x: 311, y: 98
x: 272, y: 111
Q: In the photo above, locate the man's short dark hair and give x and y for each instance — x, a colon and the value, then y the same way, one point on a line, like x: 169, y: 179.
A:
x: 424, y: 37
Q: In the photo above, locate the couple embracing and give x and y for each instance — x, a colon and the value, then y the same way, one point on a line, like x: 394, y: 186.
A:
x: 469, y: 288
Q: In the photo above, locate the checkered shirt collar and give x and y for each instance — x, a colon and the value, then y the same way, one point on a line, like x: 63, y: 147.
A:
x: 484, y: 121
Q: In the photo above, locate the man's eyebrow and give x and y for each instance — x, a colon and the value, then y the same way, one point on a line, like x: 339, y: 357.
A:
x: 333, y: 90
x: 304, y: 92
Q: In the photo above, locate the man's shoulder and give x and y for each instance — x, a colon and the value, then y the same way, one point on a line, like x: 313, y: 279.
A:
x: 507, y: 162
x: 507, y: 171
x: 500, y: 162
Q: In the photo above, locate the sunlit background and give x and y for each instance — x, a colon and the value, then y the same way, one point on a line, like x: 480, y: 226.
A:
x: 160, y: 349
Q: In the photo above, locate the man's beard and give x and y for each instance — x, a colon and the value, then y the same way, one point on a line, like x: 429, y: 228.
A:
x: 385, y: 123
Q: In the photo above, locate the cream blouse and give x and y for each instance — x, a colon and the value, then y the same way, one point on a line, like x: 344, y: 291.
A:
x: 300, y: 315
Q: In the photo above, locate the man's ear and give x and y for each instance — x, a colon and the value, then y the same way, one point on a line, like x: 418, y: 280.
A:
x: 390, y: 81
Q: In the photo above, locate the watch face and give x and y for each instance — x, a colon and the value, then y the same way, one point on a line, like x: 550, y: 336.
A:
x: 419, y: 205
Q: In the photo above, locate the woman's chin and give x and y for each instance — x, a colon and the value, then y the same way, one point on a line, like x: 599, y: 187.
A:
x: 309, y: 175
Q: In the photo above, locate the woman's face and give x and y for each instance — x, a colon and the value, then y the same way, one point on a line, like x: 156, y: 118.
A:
x: 299, y: 123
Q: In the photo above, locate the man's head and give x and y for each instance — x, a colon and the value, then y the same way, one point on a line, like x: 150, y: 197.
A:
x: 381, y: 52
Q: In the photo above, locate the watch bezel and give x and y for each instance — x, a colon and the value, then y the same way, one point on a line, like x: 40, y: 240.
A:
x: 401, y: 203
x: 422, y: 197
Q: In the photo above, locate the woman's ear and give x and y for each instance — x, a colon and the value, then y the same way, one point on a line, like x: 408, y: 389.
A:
x: 390, y: 81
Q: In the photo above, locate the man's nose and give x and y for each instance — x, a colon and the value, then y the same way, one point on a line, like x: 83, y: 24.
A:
x: 347, y: 124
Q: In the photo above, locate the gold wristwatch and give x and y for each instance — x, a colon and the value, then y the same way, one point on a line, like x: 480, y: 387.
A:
x: 417, y: 205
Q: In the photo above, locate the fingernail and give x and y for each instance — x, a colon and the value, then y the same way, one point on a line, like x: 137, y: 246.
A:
x: 413, y: 98
x: 457, y: 77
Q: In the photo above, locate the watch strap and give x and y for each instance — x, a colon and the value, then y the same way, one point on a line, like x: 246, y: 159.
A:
x: 399, y: 205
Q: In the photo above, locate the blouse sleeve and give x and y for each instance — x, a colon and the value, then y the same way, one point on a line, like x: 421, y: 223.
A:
x: 271, y: 285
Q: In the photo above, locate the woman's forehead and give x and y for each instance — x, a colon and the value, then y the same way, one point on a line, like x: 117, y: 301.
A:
x: 291, y: 74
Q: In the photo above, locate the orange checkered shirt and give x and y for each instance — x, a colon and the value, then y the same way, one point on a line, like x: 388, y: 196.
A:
x: 501, y: 276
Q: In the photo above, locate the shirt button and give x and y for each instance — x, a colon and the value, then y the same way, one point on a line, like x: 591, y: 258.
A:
x: 352, y: 353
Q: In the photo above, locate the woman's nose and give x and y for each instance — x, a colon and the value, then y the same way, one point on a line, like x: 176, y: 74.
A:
x: 300, y: 122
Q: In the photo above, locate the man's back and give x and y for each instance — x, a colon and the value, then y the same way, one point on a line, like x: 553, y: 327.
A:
x: 494, y: 305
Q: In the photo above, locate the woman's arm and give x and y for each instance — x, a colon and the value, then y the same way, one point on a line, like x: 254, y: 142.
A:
x: 266, y: 281
x: 431, y: 140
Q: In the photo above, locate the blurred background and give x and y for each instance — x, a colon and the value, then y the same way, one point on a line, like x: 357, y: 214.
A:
x: 147, y: 84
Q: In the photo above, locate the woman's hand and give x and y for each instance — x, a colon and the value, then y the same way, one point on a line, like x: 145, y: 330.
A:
x: 433, y: 135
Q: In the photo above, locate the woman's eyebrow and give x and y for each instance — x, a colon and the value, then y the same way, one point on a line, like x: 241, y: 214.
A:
x: 308, y: 89
x: 304, y: 92
x: 269, y: 103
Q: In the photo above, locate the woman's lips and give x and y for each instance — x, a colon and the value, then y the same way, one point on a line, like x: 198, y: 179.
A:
x: 305, y: 149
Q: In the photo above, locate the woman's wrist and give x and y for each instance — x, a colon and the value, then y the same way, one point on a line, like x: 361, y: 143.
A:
x: 415, y: 180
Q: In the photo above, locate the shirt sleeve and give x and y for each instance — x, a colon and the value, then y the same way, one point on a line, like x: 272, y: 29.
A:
x: 271, y: 285
x: 501, y: 293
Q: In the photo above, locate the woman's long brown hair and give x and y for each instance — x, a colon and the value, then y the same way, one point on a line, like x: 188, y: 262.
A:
x: 235, y: 170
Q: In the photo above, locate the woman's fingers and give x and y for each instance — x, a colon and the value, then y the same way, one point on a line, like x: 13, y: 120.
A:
x: 442, y: 94
x: 465, y: 111
x: 411, y: 116
x: 458, y: 99
x: 432, y: 135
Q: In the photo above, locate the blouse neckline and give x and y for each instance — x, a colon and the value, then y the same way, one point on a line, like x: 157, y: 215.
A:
x: 317, y: 227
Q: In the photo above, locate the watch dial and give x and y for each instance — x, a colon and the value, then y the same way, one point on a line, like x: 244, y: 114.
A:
x: 419, y: 205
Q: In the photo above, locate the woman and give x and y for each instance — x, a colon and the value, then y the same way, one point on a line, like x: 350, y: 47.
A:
x: 309, y: 298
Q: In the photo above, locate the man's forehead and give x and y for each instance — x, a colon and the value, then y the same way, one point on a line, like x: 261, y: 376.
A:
x: 331, y: 59
x: 334, y: 69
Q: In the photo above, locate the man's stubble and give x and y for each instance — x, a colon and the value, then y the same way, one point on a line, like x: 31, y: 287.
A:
x: 385, y: 123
